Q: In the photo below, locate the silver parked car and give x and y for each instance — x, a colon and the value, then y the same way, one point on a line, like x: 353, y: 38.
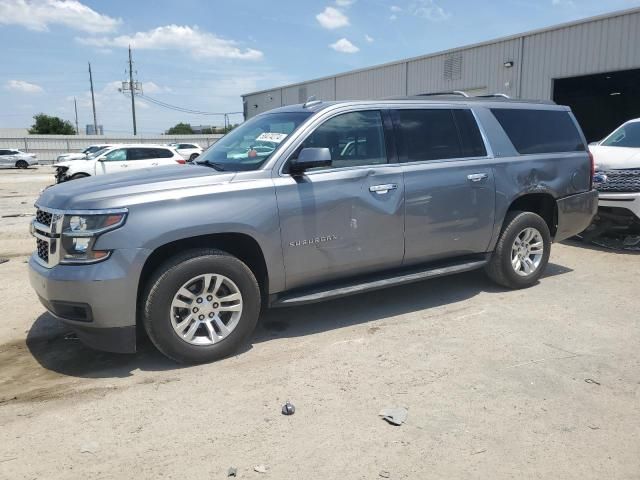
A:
x: 12, y: 158
x: 345, y: 197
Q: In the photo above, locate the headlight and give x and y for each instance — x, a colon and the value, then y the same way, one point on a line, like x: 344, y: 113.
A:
x: 80, y: 231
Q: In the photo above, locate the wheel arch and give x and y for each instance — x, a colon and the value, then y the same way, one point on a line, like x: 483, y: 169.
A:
x: 243, y: 246
x: 540, y: 203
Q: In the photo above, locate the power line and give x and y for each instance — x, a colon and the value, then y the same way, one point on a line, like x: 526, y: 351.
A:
x: 182, y: 109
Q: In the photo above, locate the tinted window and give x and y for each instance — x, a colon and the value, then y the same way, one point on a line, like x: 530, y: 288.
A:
x: 139, y: 153
x: 540, y: 131
x: 355, y: 138
x: 472, y: 144
x: 119, y: 155
x: 4, y: 152
x: 162, y: 153
x: 428, y: 135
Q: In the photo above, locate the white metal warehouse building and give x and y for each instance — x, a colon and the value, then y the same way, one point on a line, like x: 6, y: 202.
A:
x: 592, y: 65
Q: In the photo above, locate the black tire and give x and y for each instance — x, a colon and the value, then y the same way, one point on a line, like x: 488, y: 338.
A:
x: 79, y: 175
x: 499, y: 268
x: 22, y: 164
x: 193, y: 157
x: 169, y: 277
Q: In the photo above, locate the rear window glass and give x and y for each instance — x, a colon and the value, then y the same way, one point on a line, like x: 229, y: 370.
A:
x: 540, y: 131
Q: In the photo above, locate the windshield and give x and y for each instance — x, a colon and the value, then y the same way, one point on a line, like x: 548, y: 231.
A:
x: 91, y: 149
x: 97, y: 153
x: 248, y: 146
x: 626, y: 136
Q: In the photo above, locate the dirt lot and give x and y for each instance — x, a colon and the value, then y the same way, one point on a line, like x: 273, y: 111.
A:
x: 542, y: 383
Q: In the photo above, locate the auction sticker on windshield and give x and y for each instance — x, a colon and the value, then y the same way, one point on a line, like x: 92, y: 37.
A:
x: 271, y: 137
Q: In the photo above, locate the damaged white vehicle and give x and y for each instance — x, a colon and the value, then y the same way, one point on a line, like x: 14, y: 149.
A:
x: 617, y: 178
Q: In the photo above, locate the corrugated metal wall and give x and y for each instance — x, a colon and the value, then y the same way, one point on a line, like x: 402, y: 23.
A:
x: 597, y: 45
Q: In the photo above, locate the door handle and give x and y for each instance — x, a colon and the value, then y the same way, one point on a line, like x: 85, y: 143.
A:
x: 382, y: 189
x: 476, y: 177
x: 124, y: 165
x: 154, y: 163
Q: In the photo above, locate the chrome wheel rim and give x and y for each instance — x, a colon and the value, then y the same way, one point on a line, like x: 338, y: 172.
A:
x: 527, y: 252
x: 206, y: 309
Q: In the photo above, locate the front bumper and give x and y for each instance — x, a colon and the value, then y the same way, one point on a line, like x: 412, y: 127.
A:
x: 97, y: 301
x: 627, y: 201
x: 575, y: 214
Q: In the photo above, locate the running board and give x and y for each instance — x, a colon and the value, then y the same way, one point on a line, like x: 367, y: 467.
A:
x: 375, y: 283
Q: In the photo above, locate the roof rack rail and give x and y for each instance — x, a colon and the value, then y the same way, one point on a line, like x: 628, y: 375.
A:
x: 491, y: 95
x: 452, y: 92
x: 311, y: 101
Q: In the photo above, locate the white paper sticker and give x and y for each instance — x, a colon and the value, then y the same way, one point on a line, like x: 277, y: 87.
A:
x: 271, y: 137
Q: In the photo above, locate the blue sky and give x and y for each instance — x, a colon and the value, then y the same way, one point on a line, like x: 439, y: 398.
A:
x: 203, y: 54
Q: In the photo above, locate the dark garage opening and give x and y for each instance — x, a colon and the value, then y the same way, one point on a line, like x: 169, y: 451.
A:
x: 600, y: 102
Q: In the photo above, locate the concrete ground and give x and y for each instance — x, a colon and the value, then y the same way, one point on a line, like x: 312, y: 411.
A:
x: 537, y: 383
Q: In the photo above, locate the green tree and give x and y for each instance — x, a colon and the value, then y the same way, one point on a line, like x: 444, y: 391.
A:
x: 180, y: 129
x: 49, y: 125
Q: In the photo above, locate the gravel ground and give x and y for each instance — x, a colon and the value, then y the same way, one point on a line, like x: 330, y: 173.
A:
x: 540, y: 383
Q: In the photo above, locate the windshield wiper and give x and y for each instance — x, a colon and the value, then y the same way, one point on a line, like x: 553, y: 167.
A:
x: 216, y: 166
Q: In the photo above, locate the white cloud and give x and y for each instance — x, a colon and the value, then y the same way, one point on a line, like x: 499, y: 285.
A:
x: 563, y: 3
x: 39, y: 14
x: 344, y: 46
x: 345, y: 3
x: 395, y: 9
x: 152, y: 87
x: 23, y: 87
x: 332, y: 18
x: 369, y: 39
x: 393, y: 17
x: 199, y: 43
x: 428, y: 9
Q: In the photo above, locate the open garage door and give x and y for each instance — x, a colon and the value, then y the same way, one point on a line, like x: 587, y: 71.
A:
x: 600, y: 102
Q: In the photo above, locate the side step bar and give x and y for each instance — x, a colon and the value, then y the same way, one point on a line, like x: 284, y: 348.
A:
x: 375, y: 283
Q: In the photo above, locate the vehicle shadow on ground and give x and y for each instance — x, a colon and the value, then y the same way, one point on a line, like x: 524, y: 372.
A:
x: 51, y: 347
x: 372, y: 306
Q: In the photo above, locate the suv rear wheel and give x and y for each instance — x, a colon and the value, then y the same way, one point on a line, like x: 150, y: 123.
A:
x: 522, y: 252
x: 22, y: 164
x: 201, y: 306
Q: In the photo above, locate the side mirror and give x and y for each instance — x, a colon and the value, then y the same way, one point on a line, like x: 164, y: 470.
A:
x: 310, y: 158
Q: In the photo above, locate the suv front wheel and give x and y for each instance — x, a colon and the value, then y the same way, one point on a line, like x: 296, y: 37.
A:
x: 201, y: 306
x: 522, y: 252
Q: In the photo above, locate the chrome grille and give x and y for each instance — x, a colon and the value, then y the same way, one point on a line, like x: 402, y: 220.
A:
x: 43, y: 249
x: 617, y: 181
x: 44, y: 217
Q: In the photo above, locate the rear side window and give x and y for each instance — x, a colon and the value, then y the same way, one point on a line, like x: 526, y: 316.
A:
x: 540, y: 131
x: 438, y: 134
x: 162, y: 153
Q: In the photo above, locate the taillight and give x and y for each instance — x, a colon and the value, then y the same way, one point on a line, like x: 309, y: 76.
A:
x: 181, y: 161
x: 593, y: 169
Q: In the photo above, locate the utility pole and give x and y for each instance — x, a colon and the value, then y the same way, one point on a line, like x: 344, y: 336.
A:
x: 75, y: 106
x: 93, y: 102
x: 133, y: 101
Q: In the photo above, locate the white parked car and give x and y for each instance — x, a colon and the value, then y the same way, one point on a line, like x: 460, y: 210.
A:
x: 189, y: 151
x: 118, y: 158
x: 10, y: 157
x: 617, y: 162
x: 91, y: 149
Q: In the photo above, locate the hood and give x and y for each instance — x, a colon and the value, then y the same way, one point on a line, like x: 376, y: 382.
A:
x: 72, y: 156
x: 130, y: 188
x: 615, y: 158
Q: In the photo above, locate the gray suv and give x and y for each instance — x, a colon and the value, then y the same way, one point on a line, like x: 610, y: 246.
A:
x: 306, y: 203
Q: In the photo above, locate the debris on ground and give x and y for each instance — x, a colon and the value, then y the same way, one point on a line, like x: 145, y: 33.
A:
x: 16, y: 215
x: 395, y: 415
x: 288, y: 408
x: 91, y: 447
x: 3, y: 260
x: 232, y: 472
x: 260, y: 468
x: 384, y: 474
x: 478, y: 452
x: 591, y: 380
